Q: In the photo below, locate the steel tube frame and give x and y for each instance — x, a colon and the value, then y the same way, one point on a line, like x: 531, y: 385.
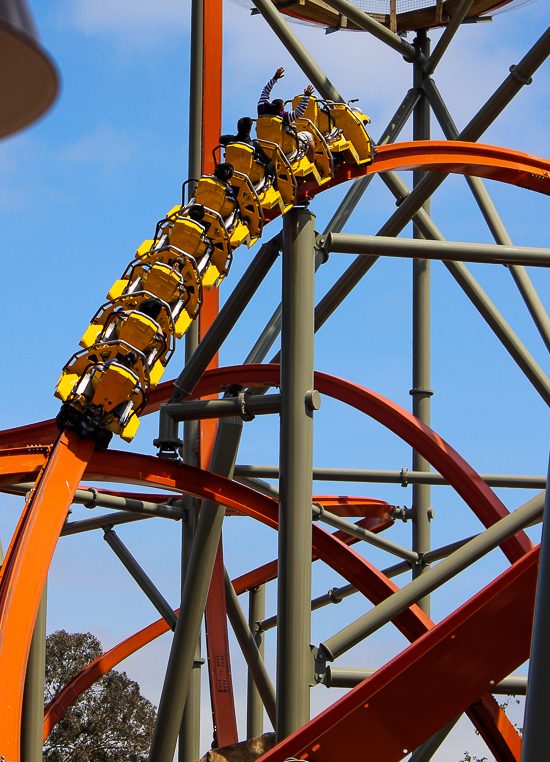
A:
x: 412, y: 202
x: 421, y: 337
x: 197, y: 581
x: 473, y: 290
x: 144, y: 582
x: 456, y: 251
x: 433, y: 578
x: 321, y: 514
x: 298, y: 51
x: 296, y: 463
x: 337, y: 594
x: 349, y: 677
x: 227, y: 407
x: 32, y: 715
x: 99, y: 522
x: 536, y: 729
x: 445, y: 40
x: 364, y: 21
x: 249, y: 648
x: 92, y: 498
x: 403, y: 477
x: 492, y: 218
x: 254, y: 703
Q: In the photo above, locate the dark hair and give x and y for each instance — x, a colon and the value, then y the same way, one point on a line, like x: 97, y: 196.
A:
x: 150, y: 307
x: 279, y: 104
x: 129, y: 359
x: 244, y: 125
x: 196, y: 212
x: 224, y: 172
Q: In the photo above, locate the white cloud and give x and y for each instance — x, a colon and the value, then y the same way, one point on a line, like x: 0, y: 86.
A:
x: 106, y: 146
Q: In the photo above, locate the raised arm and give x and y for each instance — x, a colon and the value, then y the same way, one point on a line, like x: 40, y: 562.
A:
x: 300, y: 110
x: 266, y: 92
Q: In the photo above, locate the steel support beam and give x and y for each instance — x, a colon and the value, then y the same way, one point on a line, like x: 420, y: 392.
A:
x: 378, y: 30
x: 197, y: 581
x: 421, y: 336
x: 189, y: 735
x: 404, y: 477
x: 433, y: 578
x: 337, y: 594
x: 298, y: 51
x: 246, y: 406
x: 296, y: 463
x: 99, y: 522
x: 145, y: 583
x: 536, y: 728
x: 455, y: 251
x: 249, y: 647
x: 254, y: 703
x: 321, y: 514
x: 92, y: 498
x: 32, y: 716
x: 412, y: 202
x: 493, y: 220
x: 481, y: 301
x: 444, y: 41
x: 346, y: 677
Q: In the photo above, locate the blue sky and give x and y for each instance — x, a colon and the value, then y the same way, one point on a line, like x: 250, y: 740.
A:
x: 82, y: 188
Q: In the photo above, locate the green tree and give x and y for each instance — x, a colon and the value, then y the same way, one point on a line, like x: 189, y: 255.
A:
x: 110, y: 722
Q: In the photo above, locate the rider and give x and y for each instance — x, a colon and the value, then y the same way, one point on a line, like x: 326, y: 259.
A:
x: 277, y: 106
x: 244, y: 128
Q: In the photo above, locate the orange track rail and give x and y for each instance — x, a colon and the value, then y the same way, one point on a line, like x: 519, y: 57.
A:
x: 449, y: 668
x: 24, y: 571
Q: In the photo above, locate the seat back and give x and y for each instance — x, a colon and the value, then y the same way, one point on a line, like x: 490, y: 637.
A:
x: 312, y: 110
x: 138, y: 330
x: 115, y: 385
x: 163, y: 282
x: 241, y: 156
x: 213, y: 194
x: 187, y: 236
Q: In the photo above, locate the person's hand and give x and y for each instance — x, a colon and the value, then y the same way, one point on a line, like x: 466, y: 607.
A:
x: 280, y: 73
x: 309, y: 90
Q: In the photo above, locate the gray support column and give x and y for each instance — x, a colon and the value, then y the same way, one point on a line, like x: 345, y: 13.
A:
x: 197, y: 582
x: 189, y: 735
x: 249, y: 648
x: 254, y: 705
x: 421, y: 391
x: 296, y: 463
x: 298, y: 51
x: 32, y: 717
x: 536, y: 728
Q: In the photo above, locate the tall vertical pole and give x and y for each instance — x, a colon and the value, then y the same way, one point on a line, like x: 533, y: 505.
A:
x: 254, y: 706
x: 296, y: 463
x: 32, y: 717
x: 197, y: 582
x: 421, y: 391
x: 536, y: 728
x: 189, y: 737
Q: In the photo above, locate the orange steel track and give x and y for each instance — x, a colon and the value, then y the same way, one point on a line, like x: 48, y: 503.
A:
x: 29, y: 555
